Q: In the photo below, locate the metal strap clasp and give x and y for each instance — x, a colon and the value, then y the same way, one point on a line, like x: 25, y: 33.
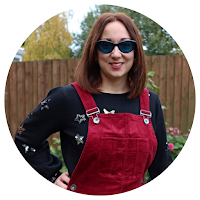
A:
x: 94, y: 114
x: 146, y: 115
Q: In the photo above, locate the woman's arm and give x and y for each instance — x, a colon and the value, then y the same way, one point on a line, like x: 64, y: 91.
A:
x: 163, y: 156
x: 32, y: 133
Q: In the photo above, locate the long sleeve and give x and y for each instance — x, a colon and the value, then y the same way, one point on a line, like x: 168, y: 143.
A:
x: 163, y: 156
x: 32, y: 133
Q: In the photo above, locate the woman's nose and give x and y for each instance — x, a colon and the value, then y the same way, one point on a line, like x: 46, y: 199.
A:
x: 116, y: 52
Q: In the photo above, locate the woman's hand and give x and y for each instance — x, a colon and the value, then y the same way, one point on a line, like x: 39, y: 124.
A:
x: 63, y: 180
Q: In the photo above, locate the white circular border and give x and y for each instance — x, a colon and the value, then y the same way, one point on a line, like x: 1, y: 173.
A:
x: 19, y: 19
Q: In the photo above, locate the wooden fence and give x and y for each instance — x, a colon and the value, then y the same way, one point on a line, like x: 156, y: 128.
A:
x: 29, y: 82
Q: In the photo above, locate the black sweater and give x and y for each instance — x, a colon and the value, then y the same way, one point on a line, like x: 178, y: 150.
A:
x: 57, y: 112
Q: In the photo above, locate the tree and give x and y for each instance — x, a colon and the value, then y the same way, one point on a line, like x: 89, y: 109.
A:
x: 156, y: 40
x: 51, y: 40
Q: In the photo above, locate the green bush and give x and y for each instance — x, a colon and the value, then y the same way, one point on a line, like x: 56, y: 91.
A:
x: 150, y: 85
x: 58, y: 152
x: 176, y: 140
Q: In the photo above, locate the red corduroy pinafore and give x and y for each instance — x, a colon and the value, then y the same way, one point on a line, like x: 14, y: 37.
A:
x: 118, y: 151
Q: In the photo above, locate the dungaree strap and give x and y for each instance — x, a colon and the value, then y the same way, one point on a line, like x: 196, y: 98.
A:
x: 144, y: 100
x: 86, y: 97
x: 145, y: 106
x: 89, y: 103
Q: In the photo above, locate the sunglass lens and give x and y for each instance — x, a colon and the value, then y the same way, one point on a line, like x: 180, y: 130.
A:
x: 105, y: 47
x: 126, y: 46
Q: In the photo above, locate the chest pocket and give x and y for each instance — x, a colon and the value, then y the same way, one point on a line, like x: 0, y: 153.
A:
x: 122, y: 157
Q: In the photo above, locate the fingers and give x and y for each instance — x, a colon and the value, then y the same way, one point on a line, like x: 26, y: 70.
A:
x: 67, y: 173
x: 61, y: 184
x: 63, y: 180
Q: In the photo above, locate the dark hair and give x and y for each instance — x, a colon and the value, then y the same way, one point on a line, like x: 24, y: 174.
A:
x: 87, y: 72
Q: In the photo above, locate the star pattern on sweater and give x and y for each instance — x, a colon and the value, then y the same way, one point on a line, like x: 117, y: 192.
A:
x: 20, y: 129
x: 44, y: 104
x: 26, y: 148
x: 80, y: 118
x: 79, y: 139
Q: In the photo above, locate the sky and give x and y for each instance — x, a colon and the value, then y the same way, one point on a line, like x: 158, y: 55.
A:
x: 79, y: 13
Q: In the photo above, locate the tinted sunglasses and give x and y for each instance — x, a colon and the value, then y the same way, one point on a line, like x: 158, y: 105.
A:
x: 125, y: 46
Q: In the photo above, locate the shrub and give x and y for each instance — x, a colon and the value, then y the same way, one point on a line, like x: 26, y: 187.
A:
x: 176, y: 140
x: 58, y: 152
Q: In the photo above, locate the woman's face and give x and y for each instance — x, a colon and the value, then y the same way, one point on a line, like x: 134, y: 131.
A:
x: 115, y: 65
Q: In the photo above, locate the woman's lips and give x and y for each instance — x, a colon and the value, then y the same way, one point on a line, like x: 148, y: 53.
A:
x: 116, y: 65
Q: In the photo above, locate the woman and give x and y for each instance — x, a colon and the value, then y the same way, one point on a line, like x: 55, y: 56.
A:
x: 112, y: 129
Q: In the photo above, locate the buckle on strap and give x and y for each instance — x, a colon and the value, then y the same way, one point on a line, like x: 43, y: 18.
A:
x: 146, y: 115
x: 94, y: 111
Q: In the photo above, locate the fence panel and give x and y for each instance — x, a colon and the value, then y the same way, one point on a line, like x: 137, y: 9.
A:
x: 170, y: 90
x: 155, y: 67
x: 7, y: 100
x: 13, y: 124
x: 21, y: 105
x: 163, y: 81
x: 35, y: 84
x: 63, y: 72
x: 177, y: 90
x: 191, y: 108
x: 185, y: 95
x: 28, y: 87
x: 29, y: 82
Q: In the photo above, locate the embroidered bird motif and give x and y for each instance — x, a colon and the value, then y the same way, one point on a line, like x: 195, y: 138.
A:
x: 108, y: 112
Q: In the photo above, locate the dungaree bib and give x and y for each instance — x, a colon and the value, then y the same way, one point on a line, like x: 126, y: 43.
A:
x: 118, y: 151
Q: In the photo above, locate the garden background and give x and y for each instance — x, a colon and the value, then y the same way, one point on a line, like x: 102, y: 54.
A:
x: 52, y: 53
x: 29, y: 82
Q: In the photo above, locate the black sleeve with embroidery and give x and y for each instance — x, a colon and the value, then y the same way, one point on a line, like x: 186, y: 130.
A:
x: 32, y: 133
x: 163, y: 156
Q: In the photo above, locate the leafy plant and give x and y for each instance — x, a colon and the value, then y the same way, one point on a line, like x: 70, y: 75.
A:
x: 147, y: 177
x: 150, y: 83
x: 58, y: 152
x: 176, y: 140
x: 51, y: 40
